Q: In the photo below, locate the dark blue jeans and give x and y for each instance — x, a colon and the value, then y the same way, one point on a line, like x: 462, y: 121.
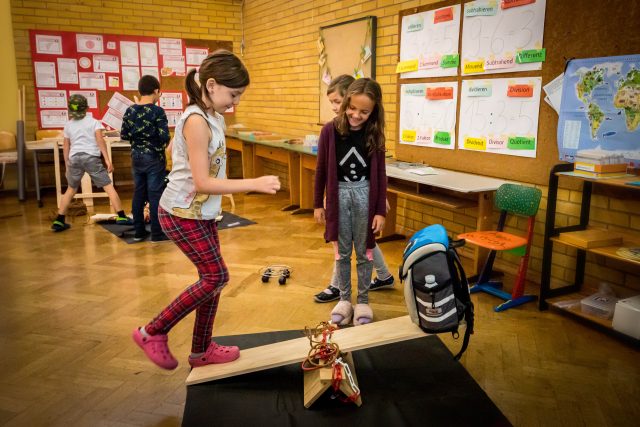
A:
x: 149, y: 181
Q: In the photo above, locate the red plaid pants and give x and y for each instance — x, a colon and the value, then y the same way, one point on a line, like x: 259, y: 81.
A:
x: 199, y: 241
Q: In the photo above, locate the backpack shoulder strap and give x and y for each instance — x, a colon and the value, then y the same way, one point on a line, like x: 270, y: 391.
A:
x: 463, y: 285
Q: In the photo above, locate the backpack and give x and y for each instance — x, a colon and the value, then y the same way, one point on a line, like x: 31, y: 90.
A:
x: 436, y: 290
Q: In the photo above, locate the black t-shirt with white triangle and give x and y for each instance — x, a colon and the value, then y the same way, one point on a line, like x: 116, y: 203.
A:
x: 352, y: 157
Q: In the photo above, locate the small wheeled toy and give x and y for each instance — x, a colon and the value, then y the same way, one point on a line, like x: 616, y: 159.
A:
x: 282, y: 272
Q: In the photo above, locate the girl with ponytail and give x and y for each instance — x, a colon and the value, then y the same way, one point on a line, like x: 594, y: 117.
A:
x: 191, y: 203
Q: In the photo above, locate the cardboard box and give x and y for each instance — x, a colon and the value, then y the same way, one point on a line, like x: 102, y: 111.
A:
x: 601, y: 305
x: 626, y: 317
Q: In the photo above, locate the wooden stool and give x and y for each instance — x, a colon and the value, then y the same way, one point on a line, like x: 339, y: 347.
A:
x: 317, y: 381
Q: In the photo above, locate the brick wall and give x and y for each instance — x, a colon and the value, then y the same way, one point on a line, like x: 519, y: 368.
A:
x: 281, y: 54
x: 194, y: 19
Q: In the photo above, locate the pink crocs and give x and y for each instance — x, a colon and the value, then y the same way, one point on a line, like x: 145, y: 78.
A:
x: 216, y: 354
x: 156, y: 349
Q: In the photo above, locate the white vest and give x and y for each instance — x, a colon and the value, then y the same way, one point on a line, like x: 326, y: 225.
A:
x: 180, y: 197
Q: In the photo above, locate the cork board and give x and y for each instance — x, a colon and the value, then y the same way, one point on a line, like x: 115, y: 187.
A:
x: 590, y: 28
x: 343, y: 44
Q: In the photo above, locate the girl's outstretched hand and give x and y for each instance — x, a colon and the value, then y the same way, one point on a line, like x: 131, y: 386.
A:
x: 377, y: 224
x: 318, y: 214
x: 267, y: 184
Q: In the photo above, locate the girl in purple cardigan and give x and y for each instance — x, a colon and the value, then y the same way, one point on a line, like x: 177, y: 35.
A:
x: 350, y: 171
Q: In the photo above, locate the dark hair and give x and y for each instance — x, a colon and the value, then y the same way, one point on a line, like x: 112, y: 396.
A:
x: 222, y: 66
x: 147, y: 84
x: 374, y: 126
x: 340, y: 84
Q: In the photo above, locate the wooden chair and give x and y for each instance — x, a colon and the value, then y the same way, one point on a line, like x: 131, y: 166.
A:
x: 511, y: 199
x: 8, y: 152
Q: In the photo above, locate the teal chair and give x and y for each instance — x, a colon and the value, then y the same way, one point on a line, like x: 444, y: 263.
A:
x: 511, y: 199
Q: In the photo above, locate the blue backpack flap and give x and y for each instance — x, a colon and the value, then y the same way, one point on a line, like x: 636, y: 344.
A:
x: 436, y: 289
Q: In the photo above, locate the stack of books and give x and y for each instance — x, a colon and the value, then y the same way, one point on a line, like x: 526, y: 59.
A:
x: 599, y: 164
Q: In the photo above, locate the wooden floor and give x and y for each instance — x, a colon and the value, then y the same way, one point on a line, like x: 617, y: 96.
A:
x: 70, y: 301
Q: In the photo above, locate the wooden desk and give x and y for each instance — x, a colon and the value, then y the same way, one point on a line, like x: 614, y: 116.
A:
x: 246, y: 151
x: 47, y: 145
x: 462, y: 190
x: 254, y: 152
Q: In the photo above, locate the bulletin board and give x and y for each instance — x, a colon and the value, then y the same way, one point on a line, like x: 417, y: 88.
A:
x: 592, y: 28
x: 100, y: 66
x: 345, y: 48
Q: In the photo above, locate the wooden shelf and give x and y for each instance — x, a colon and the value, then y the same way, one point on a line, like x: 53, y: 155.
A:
x: 440, y: 200
x: 614, y: 182
x: 606, y: 251
x: 575, y: 309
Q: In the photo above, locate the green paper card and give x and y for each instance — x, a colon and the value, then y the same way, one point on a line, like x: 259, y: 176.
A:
x: 521, y: 143
x: 443, y: 138
x: 450, y: 61
x: 534, y: 55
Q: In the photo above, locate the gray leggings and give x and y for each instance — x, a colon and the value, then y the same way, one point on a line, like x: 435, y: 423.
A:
x: 379, y: 265
x: 352, y: 234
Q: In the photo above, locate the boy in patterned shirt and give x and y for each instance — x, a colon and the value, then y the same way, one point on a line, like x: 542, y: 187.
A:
x: 145, y: 126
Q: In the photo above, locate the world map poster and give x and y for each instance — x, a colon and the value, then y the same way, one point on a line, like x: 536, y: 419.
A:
x: 600, y: 108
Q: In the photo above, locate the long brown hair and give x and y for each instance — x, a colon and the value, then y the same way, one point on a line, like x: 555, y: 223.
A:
x: 374, y: 126
x: 222, y: 66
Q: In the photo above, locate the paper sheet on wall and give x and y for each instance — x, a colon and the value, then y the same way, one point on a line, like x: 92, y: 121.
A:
x: 150, y: 71
x: 106, y: 64
x: 93, y: 81
x: 130, y: 77
x: 553, y: 91
x: 129, y: 53
x: 173, y: 117
x: 431, y: 37
x: 428, y: 114
x: 45, y: 74
x: 50, y: 45
x: 195, y: 56
x: 173, y: 64
x: 171, y: 100
x: 52, y: 98
x: 148, y: 54
x: 500, y: 116
x: 170, y: 46
x: 495, y: 33
x: 68, y: 70
x: 53, y: 118
x: 90, y: 43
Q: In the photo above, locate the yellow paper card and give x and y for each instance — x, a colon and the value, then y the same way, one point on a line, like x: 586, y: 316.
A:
x: 479, y: 144
x: 407, y: 66
x: 408, y: 135
x: 474, y: 67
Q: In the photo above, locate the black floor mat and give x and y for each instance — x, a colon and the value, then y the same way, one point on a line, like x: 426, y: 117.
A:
x: 125, y: 232
x: 411, y: 383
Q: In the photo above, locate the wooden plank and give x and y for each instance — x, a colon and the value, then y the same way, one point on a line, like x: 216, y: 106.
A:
x: 296, y: 350
x: 591, y: 238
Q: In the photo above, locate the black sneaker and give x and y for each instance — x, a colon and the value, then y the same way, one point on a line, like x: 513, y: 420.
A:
x: 330, y: 294
x: 140, y: 237
x: 377, y: 284
x: 162, y: 238
x: 59, y: 226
